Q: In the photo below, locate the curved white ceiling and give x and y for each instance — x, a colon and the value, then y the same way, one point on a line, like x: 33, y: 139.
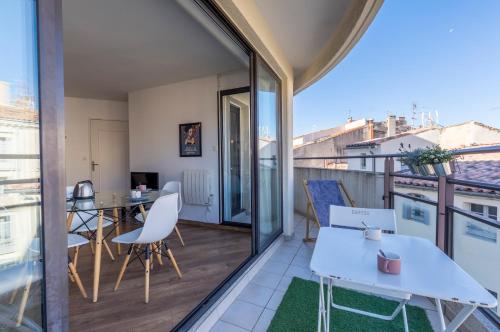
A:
x: 303, y: 27
x: 112, y: 47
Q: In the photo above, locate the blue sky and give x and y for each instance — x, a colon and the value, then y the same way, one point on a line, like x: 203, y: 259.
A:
x: 443, y: 55
x: 17, y: 33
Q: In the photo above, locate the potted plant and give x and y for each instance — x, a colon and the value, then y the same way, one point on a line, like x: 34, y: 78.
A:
x: 409, y: 158
x: 437, y: 161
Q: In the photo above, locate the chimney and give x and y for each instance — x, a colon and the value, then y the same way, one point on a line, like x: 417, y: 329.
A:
x: 349, y: 119
x: 371, y: 131
x: 391, y: 125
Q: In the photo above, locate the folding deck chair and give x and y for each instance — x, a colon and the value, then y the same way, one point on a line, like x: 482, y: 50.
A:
x: 320, y: 194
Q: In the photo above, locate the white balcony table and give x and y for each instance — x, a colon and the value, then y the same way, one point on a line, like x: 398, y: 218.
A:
x: 344, y: 258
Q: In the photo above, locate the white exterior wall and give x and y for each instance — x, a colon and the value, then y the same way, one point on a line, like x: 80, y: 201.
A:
x: 77, y: 115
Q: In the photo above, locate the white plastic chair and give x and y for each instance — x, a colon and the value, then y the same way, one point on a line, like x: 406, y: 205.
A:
x: 385, y: 219
x: 17, y: 277
x: 85, y: 222
x: 172, y: 187
x: 75, y: 241
x: 24, y: 275
x: 352, y: 217
x: 160, y: 222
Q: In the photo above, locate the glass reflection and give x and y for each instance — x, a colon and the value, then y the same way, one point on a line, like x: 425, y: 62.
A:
x: 269, y: 176
x: 20, y: 215
x: 236, y: 158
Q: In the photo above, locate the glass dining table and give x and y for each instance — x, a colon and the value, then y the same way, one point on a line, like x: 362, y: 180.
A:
x: 107, y: 202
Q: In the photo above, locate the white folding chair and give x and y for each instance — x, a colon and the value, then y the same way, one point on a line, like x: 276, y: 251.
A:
x: 385, y: 219
x: 171, y: 187
x: 160, y: 222
x: 351, y: 217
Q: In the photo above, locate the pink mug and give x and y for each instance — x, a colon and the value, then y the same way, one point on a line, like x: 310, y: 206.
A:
x: 391, y: 263
x: 142, y: 187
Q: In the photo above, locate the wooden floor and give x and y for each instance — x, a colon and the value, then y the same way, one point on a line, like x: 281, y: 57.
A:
x: 209, y: 256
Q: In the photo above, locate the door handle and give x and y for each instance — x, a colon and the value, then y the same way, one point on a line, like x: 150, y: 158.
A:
x: 94, y: 164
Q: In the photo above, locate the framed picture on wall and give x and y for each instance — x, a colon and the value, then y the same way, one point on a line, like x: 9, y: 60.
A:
x: 190, y: 139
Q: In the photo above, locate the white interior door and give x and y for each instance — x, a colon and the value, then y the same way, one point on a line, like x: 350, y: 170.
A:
x: 109, y: 155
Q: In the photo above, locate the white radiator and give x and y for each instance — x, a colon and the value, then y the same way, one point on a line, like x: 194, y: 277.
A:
x: 198, y: 187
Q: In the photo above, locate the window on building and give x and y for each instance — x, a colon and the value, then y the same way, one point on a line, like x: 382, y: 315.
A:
x: 416, y: 213
x: 484, y: 210
x: 5, y: 229
x: 363, y: 161
x: 479, y: 231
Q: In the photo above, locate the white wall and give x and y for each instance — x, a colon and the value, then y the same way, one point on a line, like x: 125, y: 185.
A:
x: 154, y: 118
x: 78, y: 112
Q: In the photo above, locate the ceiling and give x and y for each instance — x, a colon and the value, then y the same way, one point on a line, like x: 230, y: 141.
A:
x: 112, y: 47
x: 303, y: 29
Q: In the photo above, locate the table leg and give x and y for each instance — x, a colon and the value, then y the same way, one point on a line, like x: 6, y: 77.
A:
x: 69, y: 221
x: 143, y: 212
x: 97, y: 257
x: 322, y: 324
x: 405, y: 319
x: 440, y: 314
x: 116, y: 220
x: 329, y: 294
x: 460, y: 318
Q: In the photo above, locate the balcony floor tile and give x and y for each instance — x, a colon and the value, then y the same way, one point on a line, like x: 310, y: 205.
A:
x: 264, y: 320
x: 242, y: 314
x: 256, y: 294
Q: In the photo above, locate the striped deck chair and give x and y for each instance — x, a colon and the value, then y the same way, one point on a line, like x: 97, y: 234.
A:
x: 320, y: 194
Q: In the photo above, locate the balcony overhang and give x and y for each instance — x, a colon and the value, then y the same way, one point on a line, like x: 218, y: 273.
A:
x: 315, y: 38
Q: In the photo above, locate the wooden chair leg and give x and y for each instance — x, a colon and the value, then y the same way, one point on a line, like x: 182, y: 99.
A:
x: 124, y: 267
x: 75, y: 256
x: 179, y: 235
x: 70, y: 275
x: 116, y: 220
x: 108, y: 249
x: 13, y: 296
x: 77, y: 279
x: 156, y: 250
x: 92, y: 248
x: 24, y: 301
x: 146, y: 274
x: 174, y: 263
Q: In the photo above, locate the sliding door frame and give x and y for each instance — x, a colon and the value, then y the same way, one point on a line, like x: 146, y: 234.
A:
x: 55, y: 298
x: 257, y: 59
x: 220, y: 118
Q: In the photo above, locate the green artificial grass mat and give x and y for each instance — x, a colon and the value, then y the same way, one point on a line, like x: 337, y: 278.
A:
x: 298, y: 311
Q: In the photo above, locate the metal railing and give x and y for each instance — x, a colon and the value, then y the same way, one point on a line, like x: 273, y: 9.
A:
x: 445, y: 188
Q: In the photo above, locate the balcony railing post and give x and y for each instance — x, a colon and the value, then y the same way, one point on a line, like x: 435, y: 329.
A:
x: 446, y: 193
x: 388, y: 182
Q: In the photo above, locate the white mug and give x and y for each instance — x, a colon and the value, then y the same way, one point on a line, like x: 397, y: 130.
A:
x: 373, y: 233
x: 135, y: 194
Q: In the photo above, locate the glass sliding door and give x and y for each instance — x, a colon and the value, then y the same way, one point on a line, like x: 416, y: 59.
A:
x: 20, y: 214
x: 268, y: 170
x: 236, y: 156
